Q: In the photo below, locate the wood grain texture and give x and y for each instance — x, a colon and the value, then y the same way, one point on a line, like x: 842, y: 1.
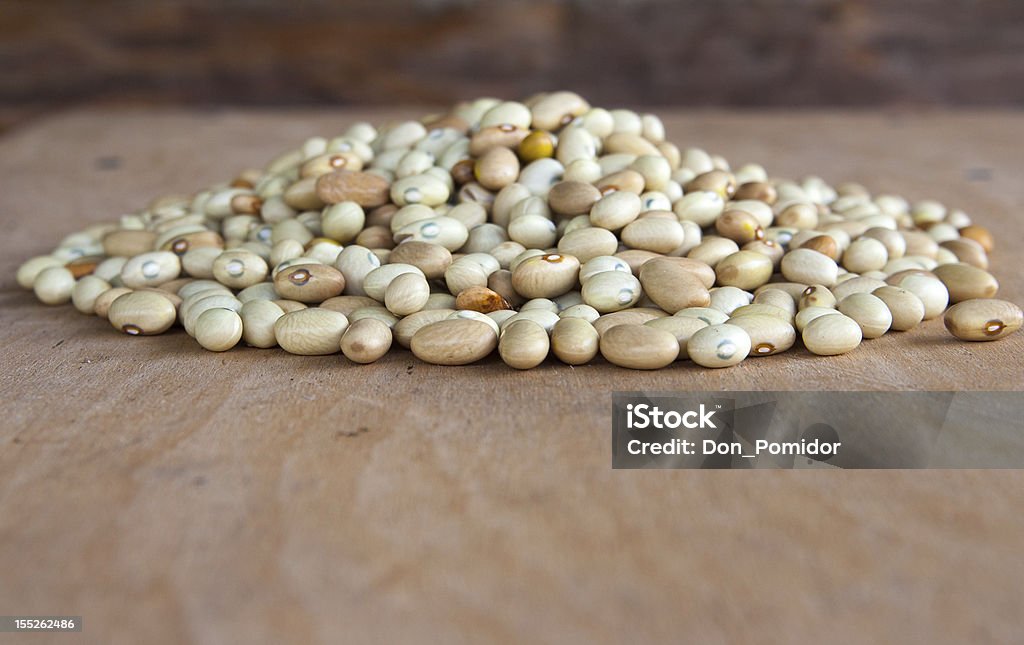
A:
x: 666, y: 52
x: 172, y: 495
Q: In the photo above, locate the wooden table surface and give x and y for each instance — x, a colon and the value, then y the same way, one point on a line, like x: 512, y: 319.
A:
x: 167, y: 494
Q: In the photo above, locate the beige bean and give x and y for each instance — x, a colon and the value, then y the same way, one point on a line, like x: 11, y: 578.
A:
x: 545, y: 304
x: 288, y: 305
x: 523, y: 344
x: 376, y: 312
x: 573, y: 197
x: 440, y: 301
x: 712, y: 250
x: 816, y: 295
x: 261, y: 291
x: 101, y: 306
x: 141, y: 313
x: 406, y: 294
x: 533, y: 231
x: 150, y: 269
x: 258, y: 318
x: 496, y: 168
x: 290, y: 229
x: 769, y: 248
x: 728, y: 299
x: 639, y: 347
x: 505, y: 135
x: 672, y: 286
x: 859, y: 284
x: 769, y: 335
x: 197, y: 286
x: 456, y: 341
x: 198, y: 263
x: 54, y: 285
x: 895, y: 245
x: 30, y: 269
x: 557, y: 109
x: 463, y: 274
x: 467, y: 314
x: 615, y: 210
x: 717, y: 346
x: 701, y: 207
x: 543, y: 317
x: 175, y: 299
x: 707, y: 314
x: 906, y: 309
x: 218, y: 330
x: 777, y: 298
x: 194, y: 306
x: 410, y: 215
x: 366, y: 341
x: 239, y: 269
x: 600, y: 264
x: 128, y: 243
x: 744, y: 269
x: 309, y: 283
x: 657, y: 234
x: 432, y: 259
x: 655, y: 169
x: 507, y: 113
x: 355, y: 262
x: 831, y: 334
x: 966, y: 282
x: 303, y: 194
x: 407, y: 327
x: 588, y: 243
x: 611, y: 291
x: 757, y: 308
x: 869, y: 311
x: 376, y: 282
x: 807, y: 314
x: 314, y: 167
x: 983, y: 319
x: 681, y: 327
x: 419, y: 189
x: 967, y: 251
x: 636, y: 316
x: 85, y: 292
x: 311, y: 331
x: 617, y: 175
x: 574, y: 341
x: 343, y: 221
x: 445, y: 231
x: 865, y: 254
x: 348, y: 304
x: 809, y: 267
x: 629, y: 143
x: 546, y: 276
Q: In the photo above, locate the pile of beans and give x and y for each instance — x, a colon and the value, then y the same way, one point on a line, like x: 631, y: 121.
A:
x: 542, y: 227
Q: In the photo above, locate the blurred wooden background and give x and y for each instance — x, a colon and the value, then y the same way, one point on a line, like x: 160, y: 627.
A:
x: 58, y: 53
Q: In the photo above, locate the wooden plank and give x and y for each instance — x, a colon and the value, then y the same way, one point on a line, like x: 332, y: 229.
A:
x: 168, y: 494
x: 737, y: 53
